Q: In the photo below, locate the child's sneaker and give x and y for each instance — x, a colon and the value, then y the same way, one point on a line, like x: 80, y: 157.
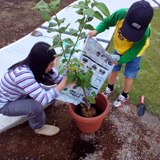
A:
x: 119, y: 102
x: 108, y: 92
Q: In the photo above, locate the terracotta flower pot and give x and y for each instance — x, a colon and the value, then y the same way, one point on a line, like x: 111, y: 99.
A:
x: 91, y: 125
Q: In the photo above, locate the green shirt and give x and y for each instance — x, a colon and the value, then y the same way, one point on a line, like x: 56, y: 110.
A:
x: 128, y: 49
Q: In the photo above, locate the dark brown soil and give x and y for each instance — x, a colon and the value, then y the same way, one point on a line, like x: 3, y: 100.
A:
x: 17, y: 19
x: 70, y: 143
x: 122, y: 136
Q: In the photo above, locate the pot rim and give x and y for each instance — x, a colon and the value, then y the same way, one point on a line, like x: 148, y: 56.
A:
x: 89, y: 119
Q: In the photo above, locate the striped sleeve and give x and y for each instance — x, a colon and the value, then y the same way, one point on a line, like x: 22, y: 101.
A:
x: 53, y: 76
x: 26, y: 81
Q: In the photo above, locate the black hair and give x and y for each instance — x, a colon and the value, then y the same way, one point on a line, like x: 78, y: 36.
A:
x: 38, y: 59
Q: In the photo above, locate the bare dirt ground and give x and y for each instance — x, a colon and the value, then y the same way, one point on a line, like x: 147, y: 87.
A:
x: 122, y: 136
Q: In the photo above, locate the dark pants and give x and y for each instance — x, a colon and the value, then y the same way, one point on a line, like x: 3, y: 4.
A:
x: 30, y: 107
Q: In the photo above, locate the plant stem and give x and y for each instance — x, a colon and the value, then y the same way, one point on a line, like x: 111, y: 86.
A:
x: 60, y: 35
x: 72, y: 52
x: 88, y: 103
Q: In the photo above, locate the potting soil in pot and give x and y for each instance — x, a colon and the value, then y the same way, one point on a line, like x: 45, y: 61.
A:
x: 98, y: 111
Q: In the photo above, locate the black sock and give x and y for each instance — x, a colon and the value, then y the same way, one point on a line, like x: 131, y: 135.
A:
x: 124, y: 94
x: 111, y: 87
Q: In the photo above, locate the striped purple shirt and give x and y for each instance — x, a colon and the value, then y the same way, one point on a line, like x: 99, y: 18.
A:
x: 20, y: 82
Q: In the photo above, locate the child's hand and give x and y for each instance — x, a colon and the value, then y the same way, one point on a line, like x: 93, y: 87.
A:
x: 62, y: 84
x: 115, y: 63
x: 71, y: 83
x: 92, y: 33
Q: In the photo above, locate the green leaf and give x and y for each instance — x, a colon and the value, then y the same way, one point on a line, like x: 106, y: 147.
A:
x: 51, y: 24
x: 62, y: 29
x: 81, y: 76
x: 103, y: 8
x: 75, y: 6
x: 73, y: 32
x: 88, y: 76
x: 77, y: 50
x: 84, y: 52
x: 55, y: 46
x: 54, y: 5
x: 71, y: 76
x: 41, y: 5
x: 66, y: 51
x: 98, y: 15
x: 74, y: 60
x: 87, y: 2
x: 94, y: 94
x: 59, y: 21
x: 88, y: 26
x: 56, y: 41
x: 81, y: 5
x: 89, y: 12
x: 92, y: 4
x: 89, y: 19
x: 80, y: 12
x: 78, y: 82
x: 82, y: 64
x: 83, y: 35
x: 68, y: 40
x: 91, y: 100
x: 62, y: 71
x: 57, y: 55
x: 81, y: 21
x: 88, y: 85
x: 51, y: 30
x: 45, y: 15
x: 76, y: 69
x: 71, y: 67
x: 64, y: 60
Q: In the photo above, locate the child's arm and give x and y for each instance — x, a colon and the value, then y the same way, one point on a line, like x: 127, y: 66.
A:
x: 61, y: 85
x: 109, y: 22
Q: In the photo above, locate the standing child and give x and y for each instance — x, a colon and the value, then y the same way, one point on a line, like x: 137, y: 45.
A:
x: 131, y: 38
x: 21, y: 93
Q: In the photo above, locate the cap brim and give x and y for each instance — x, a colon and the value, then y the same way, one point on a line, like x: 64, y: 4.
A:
x: 131, y: 33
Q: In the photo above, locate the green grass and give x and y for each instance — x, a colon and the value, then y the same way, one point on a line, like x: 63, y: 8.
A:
x: 147, y: 82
